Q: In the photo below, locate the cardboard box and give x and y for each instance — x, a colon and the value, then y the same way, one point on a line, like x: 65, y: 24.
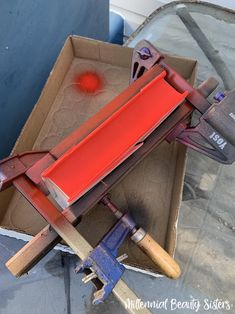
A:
x: 151, y: 192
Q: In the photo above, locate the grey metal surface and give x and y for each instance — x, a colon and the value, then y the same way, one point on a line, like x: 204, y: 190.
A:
x: 32, y: 34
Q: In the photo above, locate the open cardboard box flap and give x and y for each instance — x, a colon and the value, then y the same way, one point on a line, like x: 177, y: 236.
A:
x: 151, y: 192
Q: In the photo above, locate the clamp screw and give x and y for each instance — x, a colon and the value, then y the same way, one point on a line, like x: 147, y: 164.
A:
x: 89, y: 277
x: 144, y: 53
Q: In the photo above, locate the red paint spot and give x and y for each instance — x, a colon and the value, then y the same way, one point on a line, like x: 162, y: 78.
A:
x: 88, y: 82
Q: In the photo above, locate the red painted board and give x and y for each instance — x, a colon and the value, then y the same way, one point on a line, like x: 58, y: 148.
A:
x: 85, y: 164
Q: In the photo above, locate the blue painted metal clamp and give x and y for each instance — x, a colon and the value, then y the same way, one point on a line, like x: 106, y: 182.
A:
x: 103, y: 262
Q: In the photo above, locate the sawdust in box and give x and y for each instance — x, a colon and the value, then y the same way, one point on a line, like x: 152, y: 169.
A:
x: 151, y: 192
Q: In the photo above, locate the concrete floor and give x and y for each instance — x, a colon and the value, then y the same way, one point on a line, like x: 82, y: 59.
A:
x: 205, y: 252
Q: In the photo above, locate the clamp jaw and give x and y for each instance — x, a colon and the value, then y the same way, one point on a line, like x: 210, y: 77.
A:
x: 214, y: 136
x: 103, y: 262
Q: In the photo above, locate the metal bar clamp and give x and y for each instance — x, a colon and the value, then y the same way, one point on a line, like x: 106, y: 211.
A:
x: 214, y: 136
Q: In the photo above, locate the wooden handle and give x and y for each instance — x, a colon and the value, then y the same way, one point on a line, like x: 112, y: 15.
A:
x: 159, y: 256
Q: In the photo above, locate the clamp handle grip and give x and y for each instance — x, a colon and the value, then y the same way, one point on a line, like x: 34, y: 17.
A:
x: 159, y: 256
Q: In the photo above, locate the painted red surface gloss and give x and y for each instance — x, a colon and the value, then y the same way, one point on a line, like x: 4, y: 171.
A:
x: 82, y: 166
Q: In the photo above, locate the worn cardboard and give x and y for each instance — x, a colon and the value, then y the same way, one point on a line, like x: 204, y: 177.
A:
x: 151, y: 192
